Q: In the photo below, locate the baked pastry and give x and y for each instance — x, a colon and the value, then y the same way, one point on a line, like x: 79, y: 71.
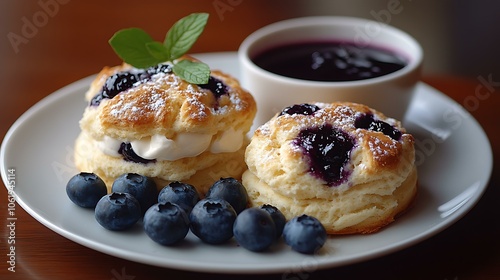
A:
x: 344, y: 163
x: 151, y: 122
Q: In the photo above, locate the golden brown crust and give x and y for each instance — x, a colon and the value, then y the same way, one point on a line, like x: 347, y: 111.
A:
x: 167, y: 105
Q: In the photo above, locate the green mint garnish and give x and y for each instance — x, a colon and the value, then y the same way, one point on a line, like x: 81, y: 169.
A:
x: 157, y: 50
x: 183, y: 34
x: 135, y: 47
x: 194, y: 72
x: 131, y: 46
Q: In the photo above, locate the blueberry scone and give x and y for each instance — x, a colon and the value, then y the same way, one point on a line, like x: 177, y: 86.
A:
x: 151, y: 122
x: 348, y: 165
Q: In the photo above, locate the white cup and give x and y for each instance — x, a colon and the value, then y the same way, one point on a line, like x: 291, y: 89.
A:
x: 391, y: 94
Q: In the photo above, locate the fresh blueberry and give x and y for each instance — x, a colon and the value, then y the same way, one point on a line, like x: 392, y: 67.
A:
x: 117, y: 211
x: 166, y: 223
x: 141, y: 187
x: 85, y: 189
x: 185, y: 195
x: 278, y: 218
x: 230, y: 190
x: 212, y: 220
x: 254, y: 229
x: 305, y: 234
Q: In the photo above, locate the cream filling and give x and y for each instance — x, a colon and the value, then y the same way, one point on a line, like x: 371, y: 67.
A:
x: 182, y: 146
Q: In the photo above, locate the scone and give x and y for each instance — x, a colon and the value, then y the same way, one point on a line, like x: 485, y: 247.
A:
x: 343, y: 163
x: 151, y: 122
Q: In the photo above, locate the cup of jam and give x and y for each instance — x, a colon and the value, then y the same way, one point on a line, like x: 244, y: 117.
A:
x: 328, y: 59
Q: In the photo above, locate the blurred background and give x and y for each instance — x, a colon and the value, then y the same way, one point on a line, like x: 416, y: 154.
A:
x: 47, y: 44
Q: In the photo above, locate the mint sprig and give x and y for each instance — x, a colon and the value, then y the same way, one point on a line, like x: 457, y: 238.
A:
x: 135, y: 47
x: 184, y: 34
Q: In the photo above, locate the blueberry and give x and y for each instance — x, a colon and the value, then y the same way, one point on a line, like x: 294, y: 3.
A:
x: 153, y: 70
x: 367, y: 121
x: 305, y: 234
x: 114, y: 85
x: 301, y: 109
x: 327, y: 150
x: 141, y: 187
x: 230, y: 190
x: 97, y: 99
x: 119, y: 82
x: 117, y: 211
x: 185, y: 195
x: 85, y: 189
x: 277, y: 216
x: 160, y: 68
x: 212, y: 220
x: 216, y: 86
x: 254, y: 229
x: 129, y: 155
x: 166, y: 223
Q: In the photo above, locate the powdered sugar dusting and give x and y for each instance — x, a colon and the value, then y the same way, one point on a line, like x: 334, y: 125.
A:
x: 194, y: 99
x: 118, y: 108
x: 341, y: 116
x: 132, y: 108
x: 264, y: 129
x: 238, y: 104
x: 156, y: 103
x: 380, y: 149
x: 153, y: 101
x: 148, y: 99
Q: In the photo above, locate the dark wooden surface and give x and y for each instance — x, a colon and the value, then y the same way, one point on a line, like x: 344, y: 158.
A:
x: 70, y: 42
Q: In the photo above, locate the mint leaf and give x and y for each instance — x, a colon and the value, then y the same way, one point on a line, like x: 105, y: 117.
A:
x: 135, y: 47
x: 192, y: 72
x: 184, y: 34
x: 157, y: 50
x: 130, y: 46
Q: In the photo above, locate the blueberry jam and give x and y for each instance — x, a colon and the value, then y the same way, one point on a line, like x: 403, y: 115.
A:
x: 329, y: 61
x: 115, y: 84
x: 368, y: 122
x: 216, y: 86
x: 301, y: 109
x: 129, y: 155
x: 122, y: 81
x: 327, y: 150
x: 160, y: 68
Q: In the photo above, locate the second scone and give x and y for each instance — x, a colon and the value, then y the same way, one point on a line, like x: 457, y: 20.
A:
x: 151, y: 122
x: 348, y: 165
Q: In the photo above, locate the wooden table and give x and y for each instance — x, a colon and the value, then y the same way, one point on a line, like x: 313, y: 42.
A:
x: 68, y: 41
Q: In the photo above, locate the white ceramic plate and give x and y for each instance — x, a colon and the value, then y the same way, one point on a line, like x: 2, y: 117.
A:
x: 453, y: 155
